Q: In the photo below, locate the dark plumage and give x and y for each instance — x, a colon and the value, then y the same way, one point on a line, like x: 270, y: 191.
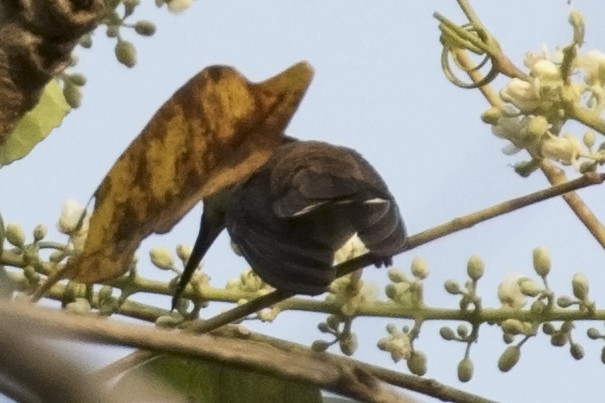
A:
x: 290, y: 217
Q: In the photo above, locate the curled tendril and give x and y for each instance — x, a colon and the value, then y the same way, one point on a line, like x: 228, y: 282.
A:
x: 474, y: 41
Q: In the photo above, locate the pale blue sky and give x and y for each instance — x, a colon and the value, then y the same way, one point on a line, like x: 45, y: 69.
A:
x: 378, y: 88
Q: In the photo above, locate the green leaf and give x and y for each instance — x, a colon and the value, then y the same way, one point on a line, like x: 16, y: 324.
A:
x: 213, y: 382
x: 36, y: 124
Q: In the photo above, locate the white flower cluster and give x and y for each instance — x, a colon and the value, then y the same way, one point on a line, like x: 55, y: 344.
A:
x: 397, y: 343
x: 74, y: 222
x: 535, y: 109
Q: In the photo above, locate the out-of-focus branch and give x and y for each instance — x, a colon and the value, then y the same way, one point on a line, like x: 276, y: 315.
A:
x: 27, y: 376
x: 37, y: 40
x: 315, y: 368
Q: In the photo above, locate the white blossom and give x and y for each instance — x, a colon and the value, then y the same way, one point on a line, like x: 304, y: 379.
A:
x: 565, y: 149
x: 545, y: 70
x: 593, y: 64
x: 509, y: 291
x: 178, y: 6
x: 398, y: 344
x: 352, y: 248
x: 71, y: 216
x: 522, y: 94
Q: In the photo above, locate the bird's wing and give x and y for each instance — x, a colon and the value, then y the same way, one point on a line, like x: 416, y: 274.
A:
x: 318, y: 174
x: 282, y: 262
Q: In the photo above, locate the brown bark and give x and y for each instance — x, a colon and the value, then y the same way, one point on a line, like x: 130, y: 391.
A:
x: 36, y: 40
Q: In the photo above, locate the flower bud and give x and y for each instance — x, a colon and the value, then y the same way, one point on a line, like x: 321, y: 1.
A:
x: 447, y: 333
x: 348, y: 345
x: 85, y: 41
x: 183, y: 252
x: 77, y: 79
x: 396, y: 276
x: 491, y: 116
x: 475, y: 267
x: 465, y: 370
x: 529, y: 288
x: 509, y: 291
x: 161, y: 258
x: 567, y: 326
x: 593, y: 333
x: 126, y: 53
x: 522, y: 94
x: 508, y: 338
x: 576, y: 351
x: 576, y: 19
x: 538, y: 307
x: 548, y: 328
x: 545, y: 70
x: 15, y: 235
x: 56, y: 256
x: 513, y: 327
x: 565, y: 302
x: 462, y: 330
x: 559, y: 339
x: 541, y: 260
x: 537, y: 126
x: 603, y: 355
x: 420, y: 268
x: 509, y: 358
x: 579, y: 285
x: 417, y: 363
x: 320, y: 346
x: 145, y: 28
x: 178, y: 6
x: 71, y: 214
x: 39, y: 232
x: 589, y: 139
x: 452, y: 287
x: 323, y: 327
x: 73, y: 95
x: 333, y: 322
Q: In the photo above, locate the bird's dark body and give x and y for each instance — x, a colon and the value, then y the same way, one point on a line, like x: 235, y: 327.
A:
x: 290, y: 217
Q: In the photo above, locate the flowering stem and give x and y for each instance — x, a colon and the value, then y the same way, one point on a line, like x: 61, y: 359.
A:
x: 365, y: 260
x: 555, y: 176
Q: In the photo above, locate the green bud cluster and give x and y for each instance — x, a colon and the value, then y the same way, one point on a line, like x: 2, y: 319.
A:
x: 408, y: 291
x: 339, y: 326
x: 475, y: 269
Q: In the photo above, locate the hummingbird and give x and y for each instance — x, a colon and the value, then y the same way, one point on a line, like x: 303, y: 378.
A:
x: 290, y: 217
